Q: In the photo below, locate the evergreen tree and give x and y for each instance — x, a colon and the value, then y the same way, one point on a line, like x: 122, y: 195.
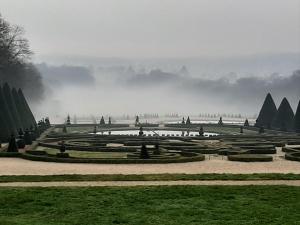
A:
x: 284, y: 118
x: 188, y: 121
x: 63, y: 147
x: 12, y: 105
x: 109, y: 120
x: 27, y: 137
x: 12, y: 145
x: 4, y: 130
x: 4, y: 127
x: 183, y: 121
x: 20, y: 133
x: 137, y: 120
x: 144, y: 152
x: 246, y: 124
x: 68, y: 122
x: 141, y: 132
x: 64, y: 130
x: 47, y: 122
x: 267, y: 113
x: 261, y: 130
x: 201, y: 131
x: 156, y: 150
x: 102, y: 121
x: 7, y: 117
x: 29, y: 114
x: 297, y: 119
x: 20, y: 109
x: 220, y: 121
x: 32, y: 133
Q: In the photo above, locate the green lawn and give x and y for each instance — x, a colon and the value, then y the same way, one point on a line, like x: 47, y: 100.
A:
x: 147, y: 177
x: 182, y: 205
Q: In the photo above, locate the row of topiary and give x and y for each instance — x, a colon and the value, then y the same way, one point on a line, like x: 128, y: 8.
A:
x: 282, y: 118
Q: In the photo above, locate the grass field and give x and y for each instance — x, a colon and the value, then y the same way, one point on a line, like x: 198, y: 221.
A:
x: 147, y: 177
x: 176, y: 205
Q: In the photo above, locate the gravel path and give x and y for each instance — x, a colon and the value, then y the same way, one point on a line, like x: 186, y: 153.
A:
x: 17, y: 166
x: 147, y: 183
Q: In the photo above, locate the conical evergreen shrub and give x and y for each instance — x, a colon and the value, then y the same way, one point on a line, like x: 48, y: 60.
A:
x: 102, y: 121
x: 144, y: 152
x: 4, y: 128
x: 246, y: 124
x: 21, y: 109
x: 267, y: 113
x: 188, y: 121
x: 12, y: 105
x: 27, y: 137
x: 7, y: 115
x: 284, y: 118
x: 12, y: 145
x: 297, y: 119
x: 29, y: 114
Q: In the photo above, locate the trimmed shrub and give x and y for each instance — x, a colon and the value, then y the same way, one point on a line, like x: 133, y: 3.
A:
x: 297, y: 119
x: 246, y: 123
x: 250, y: 158
x: 21, y: 143
x: 12, y: 145
x: 144, y: 152
x: 10, y: 154
x: 36, y: 152
x: 62, y: 155
x: 267, y: 113
x: 294, y: 156
x: 284, y: 119
x: 198, y: 157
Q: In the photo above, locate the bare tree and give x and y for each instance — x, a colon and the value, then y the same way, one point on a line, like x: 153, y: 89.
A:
x: 15, y: 66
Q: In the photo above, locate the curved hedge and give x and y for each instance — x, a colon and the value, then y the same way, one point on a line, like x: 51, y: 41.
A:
x: 293, y: 156
x: 290, y: 149
x: 183, y: 159
x: 231, y: 152
x: 250, y: 158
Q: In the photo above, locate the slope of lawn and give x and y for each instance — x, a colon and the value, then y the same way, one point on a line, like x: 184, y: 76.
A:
x: 178, y: 205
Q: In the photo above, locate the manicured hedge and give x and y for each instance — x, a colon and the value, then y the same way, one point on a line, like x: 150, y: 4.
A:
x: 36, y: 152
x: 294, y: 156
x: 10, y: 154
x: 261, y: 151
x: 231, y: 151
x: 258, y: 147
x: 250, y: 158
x: 198, y: 157
x: 91, y: 148
x: 290, y: 149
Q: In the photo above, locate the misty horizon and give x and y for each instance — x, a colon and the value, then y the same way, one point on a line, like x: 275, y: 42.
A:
x: 134, y: 57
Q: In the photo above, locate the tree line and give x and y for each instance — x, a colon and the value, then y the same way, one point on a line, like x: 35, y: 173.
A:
x: 15, y: 66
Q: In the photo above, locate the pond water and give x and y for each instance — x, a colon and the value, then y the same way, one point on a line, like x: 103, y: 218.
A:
x: 157, y: 132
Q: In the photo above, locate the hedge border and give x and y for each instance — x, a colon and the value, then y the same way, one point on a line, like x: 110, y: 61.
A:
x: 199, y: 157
x: 250, y: 158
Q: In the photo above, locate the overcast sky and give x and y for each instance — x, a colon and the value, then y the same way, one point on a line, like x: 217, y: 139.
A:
x: 157, y: 28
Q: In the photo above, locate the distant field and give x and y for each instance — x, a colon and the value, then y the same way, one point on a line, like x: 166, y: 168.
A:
x: 176, y: 205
